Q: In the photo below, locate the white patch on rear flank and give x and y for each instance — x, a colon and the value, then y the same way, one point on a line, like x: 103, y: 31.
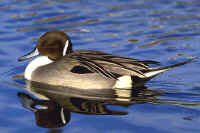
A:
x: 153, y: 73
x: 65, y: 48
x: 124, y: 82
x: 34, y: 64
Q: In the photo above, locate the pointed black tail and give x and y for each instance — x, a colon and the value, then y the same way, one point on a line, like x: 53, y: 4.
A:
x: 155, y: 71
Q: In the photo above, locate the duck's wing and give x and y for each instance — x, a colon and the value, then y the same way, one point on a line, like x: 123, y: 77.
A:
x: 110, y: 65
x: 99, y: 54
x: 95, y: 67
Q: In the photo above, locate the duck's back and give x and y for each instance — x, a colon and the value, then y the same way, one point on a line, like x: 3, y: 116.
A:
x: 114, y: 64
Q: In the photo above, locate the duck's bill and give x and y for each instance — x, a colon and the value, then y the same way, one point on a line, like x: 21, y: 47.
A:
x: 31, y: 54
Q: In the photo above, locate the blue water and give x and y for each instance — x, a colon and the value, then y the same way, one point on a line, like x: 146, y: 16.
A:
x: 164, y: 30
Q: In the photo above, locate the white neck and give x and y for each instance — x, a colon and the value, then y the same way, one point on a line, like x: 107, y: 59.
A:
x: 65, y: 48
x: 34, y: 64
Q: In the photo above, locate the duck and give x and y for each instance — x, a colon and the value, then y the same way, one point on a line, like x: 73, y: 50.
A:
x: 57, y: 64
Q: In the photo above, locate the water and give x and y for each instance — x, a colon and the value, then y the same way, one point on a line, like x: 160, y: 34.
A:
x: 162, y: 30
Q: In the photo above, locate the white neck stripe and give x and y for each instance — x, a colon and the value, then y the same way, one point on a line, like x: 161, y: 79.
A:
x: 65, y: 48
x: 34, y: 64
x: 63, y: 116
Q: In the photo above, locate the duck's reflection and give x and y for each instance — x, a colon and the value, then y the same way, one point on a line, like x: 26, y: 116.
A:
x: 54, y: 104
x: 48, y: 114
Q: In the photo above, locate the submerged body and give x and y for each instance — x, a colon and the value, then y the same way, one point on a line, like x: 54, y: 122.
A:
x: 58, y: 65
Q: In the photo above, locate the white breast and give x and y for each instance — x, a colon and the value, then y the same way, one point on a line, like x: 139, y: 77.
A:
x: 34, y: 64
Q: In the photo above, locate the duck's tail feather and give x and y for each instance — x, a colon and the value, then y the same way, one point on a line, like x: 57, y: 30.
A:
x: 155, y: 71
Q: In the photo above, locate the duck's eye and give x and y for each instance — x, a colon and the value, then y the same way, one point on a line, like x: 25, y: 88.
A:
x: 80, y: 70
x: 50, y: 44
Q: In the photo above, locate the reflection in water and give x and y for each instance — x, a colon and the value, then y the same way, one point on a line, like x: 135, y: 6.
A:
x: 48, y: 114
x: 54, y: 105
x: 55, y: 131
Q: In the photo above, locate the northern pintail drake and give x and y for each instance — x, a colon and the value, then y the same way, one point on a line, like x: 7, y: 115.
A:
x: 57, y: 64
